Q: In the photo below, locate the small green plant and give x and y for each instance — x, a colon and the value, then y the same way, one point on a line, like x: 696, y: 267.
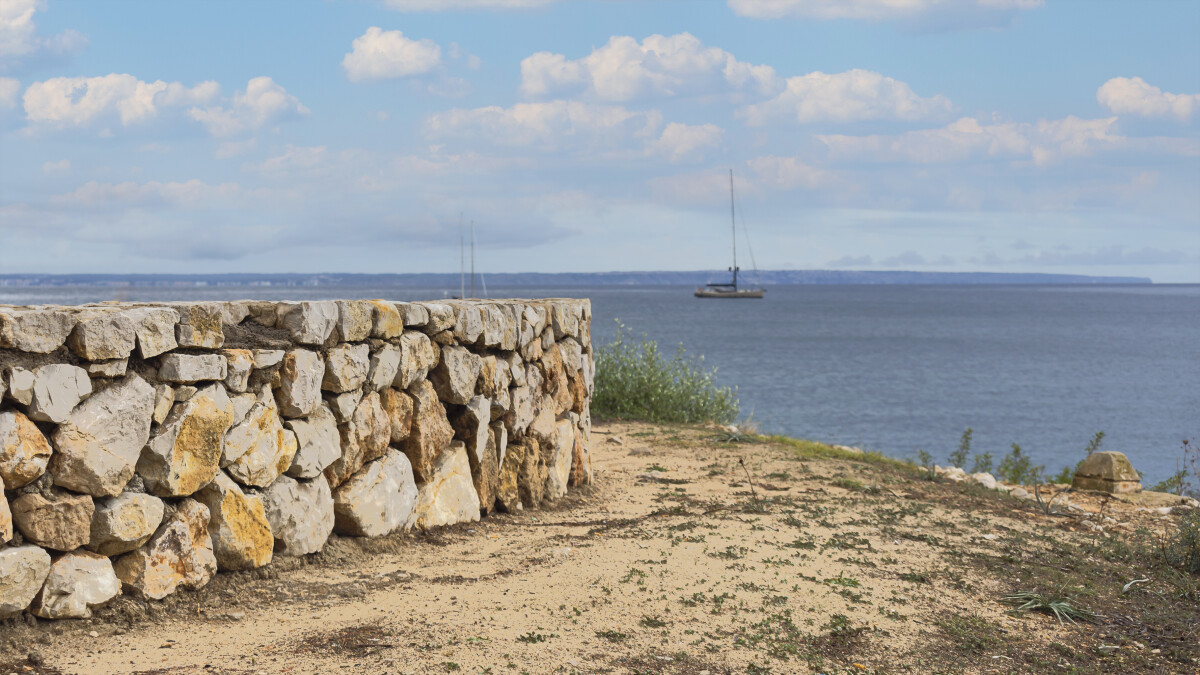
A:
x: 612, y: 635
x: 1173, y: 484
x: 1058, y: 607
x: 983, y: 463
x: 534, y: 638
x: 1183, y: 549
x: 652, y: 622
x: 1094, y: 444
x: 1017, y: 468
x: 635, y: 381
x: 926, y: 462
x: 959, y: 457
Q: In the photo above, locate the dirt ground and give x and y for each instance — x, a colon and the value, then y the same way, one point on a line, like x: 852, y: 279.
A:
x: 680, y: 559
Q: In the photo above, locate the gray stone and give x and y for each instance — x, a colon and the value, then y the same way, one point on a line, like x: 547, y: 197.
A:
x: 200, y: 325
x: 378, y: 499
x: 78, y: 583
x: 355, y: 318
x: 300, y: 514
x: 57, y: 389
x: 23, y: 570
x: 417, y: 357
x: 123, y: 523
x: 265, y: 358
x: 20, y: 384
x: 183, y: 456
x: 239, y: 365
x: 24, y: 451
x: 471, y: 427
x: 258, y: 449
x: 344, y: 405
x: 102, y: 335
x: 565, y: 318
x: 414, y: 315
x: 364, y: 438
x: 346, y: 368
x: 108, y: 369
x: 185, y: 392
x: 449, y: 495
x: 309, y: 323
x: 319, y: 443
x: 468, y: 323
x: 154, y: 328
x: 191, y: 368
x: 493, y: 325
x: 300, y: 378
x: 63, y: 522
x: 455, y: 376
x: 385, y: 364
x: 99, y: 443
x: 441, y: 317
x: 164, y: 396
x: 39, y: 331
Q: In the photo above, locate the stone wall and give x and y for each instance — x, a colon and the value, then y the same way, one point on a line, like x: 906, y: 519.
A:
x: 145, y: 447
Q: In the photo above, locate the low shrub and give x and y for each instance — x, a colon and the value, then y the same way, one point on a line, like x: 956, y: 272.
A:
x: 1183, y: 549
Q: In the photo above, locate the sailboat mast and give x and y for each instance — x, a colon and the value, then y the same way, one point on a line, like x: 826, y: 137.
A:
x: 733, y: 223
x: 472, y: 258
x: 462, y: 259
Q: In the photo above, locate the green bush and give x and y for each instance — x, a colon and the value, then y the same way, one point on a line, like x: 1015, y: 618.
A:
x: 1018, y: 469
x: 1183, y: 549
x: 635, y: 381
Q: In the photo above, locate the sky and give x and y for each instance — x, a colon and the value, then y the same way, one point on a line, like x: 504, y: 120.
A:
x: 594, y: 135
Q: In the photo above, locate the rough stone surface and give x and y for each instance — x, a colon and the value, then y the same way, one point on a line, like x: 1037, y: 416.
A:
x: 414, y: 315
x: 364, y: 438
x: 468, y: 323
x: 265, y: 358
x: 558, y: 464
x: 78, y: 583
x: 19, y: 382
x: 485, y: 471
x: 37, y: 331
x: 385, y: 364
x: 386, y: 320
x: 355, y: 318
x: 416, y: 359
x: 24, y: 451
x: 179, y: 554
x: 531, y: 478
x: 455, y: 376
x: 300, y: 379
x: 319, y: 443
x: 258, y: 449
x: 308, y: 323
x: 185, y: 453
x: 57, y: 389
x: 63, y: 522
x: 200, y: 325
x: 508, y: 496
x: 399, y: 408
x: 6, y: 524
x: 300, y: 514
x: 154, y: 328
x: 239, y: 365
x: 164, y: 397
x: 190, y: 368
x: 344, y: 405
x: 346, y: 368
x: 102, y: 335
x: 441, y: 317
x: 237, y: 524
x: 23, y: 570
x: 449, y: 495
x: 431, y: 431
x: 99, y: 443
x: 471, y: 427
x: 108, y: 369
x: 122, y: 523
x: 378, y: 499
x: 1107, y: 471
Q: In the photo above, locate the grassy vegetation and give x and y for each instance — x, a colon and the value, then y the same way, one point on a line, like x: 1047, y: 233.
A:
x: 634, y: 381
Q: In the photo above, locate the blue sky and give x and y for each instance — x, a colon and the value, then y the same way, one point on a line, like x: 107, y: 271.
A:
x: 591, y: 135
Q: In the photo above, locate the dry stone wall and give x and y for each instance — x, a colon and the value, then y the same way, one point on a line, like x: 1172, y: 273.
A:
x: 144, y: 448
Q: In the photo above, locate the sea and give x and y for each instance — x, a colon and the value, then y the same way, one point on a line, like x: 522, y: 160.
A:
x: 892, y: 368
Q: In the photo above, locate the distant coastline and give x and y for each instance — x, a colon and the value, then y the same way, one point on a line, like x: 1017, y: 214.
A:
x: 534, y: 279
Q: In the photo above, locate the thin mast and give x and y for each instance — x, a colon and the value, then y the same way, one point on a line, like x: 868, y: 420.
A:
x: 733, y: 223
x: 472, y: 258
x: 462, y: 259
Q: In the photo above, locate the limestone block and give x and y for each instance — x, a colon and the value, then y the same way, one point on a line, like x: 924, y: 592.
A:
x: 57, y: 389
x: 500, y: 433
x: 532, y: 475
x: 417, y: 357
x: 319, y: 443
x: 184, y: 454
x: 300, y: 514
x: 3, y: 386
x: 99, y: 443
x: 471, y: 427
x: 101, y: 335
x: 309, y: 323
x: 521, y: 410
x: 355, y: 319
x: 449, y: 495
x: 24, y: 451
x: 78, y: 583
x: 123, y: 523
x: 468, y: 323
x: 344, y: 405
x: 399, y: 408
x: 164, y: 397
x: 558, y: 465
x: 485, y: 471
x: 1107, y: 471
x: 364, y: 438
x: 547, y: 340
x: 63, y: 522
x: 190, y: 368
x: 565, y: 317
x: 486, y: 384
x: 346, y: 368
x: 234, y: 312
x: 154, y: 328
x: 23, y: 570
x: 386, y: 320
x: 179, y: 554
x: 6, y: 524
x: 200, y: 325
x: 385, y: 364
x: 516, y: 368
x: 532, y: 350
x: 239, y: 363
x: 237, y: 524
x: 571, y: 355
x: 535, y: 315
x: 431, y: 431
x: 377, y: 500
x: 263, y: 312
x: 265, y: 358
x: 441, y: 317
x: 258, y: 449
x: 184, y: 392
x: 493, y: 325
x: 300, y: 376
x: 508, y: 496
x: 581, y: 460
x: 544, y: 427
x: 39, y: 331
x: 108, y: 369
x: 455, y: 377
x: 414, y: 315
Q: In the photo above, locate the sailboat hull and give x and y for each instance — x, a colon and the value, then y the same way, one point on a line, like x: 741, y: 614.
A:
x: 739, y: 293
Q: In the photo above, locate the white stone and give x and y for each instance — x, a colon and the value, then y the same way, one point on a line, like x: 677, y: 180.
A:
x: 386, y: 320
x: 468, y: 323
x: 309, y: 323
x: 346, y: 368
x: 20, y: 384
x: 24, y: 451
x: 122, y: 523
x: 566, y: 316
x: 78, y: 583
x: 265, y: 358
x: 449, y: 496
x: 559, y: 464
x: 319, y: 443
x: 164, y: 396
x: 239, y: 365
x: 154, y: 328
x: 300, y: 514
x: 190, y: 368
x: 385, y: 363
x: 416, y: 359
x: 456, y: 375
x: 37, y: 330
x: 987, y: 480
x: 414, y: 315
x: 300, y: 378
x: 441, y: 317
x: 472, y: 426
x: 493, y: 325
x: 379, y: 498
x: 108, y: 369
x: 99, y: 443
x: 344, y: 405
x: 23, y: 570
x: 258, y: 449
x: 57, y: 389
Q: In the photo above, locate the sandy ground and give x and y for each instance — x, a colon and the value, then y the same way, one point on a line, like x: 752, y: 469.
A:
x: 668, y: 564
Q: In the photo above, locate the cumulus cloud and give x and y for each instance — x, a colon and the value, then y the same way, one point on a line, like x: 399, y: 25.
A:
x: 446, y: 5
x: 378, y: 55
x: 18, y: 34
x: 977, y: 12
x: 9, y: 91
x: 787, y: 173
x: 262, y: 103
x: 966, y: 139
x: 658, y: 66
x: 1135, y: 96
x: 83, y: 101
x: 845, y: 97
x: 682, y: 141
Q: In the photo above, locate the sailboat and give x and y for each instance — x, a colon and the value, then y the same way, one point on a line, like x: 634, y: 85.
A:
x: 730, y: 290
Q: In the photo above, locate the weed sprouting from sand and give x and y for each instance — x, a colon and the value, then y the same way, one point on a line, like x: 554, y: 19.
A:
x: 1057, y: 606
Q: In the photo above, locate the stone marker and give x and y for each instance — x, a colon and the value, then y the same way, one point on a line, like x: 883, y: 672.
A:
x: 449, y: 495
x: 179, y: 554
x: 78, y: 582
x: 24, y: 451
x: 185, y: 453
x: 57, y: 389
x: 63, y: 523
x: 1107, y: 471
x: 237, y: 525
x: 99, y: 443
x: 23, y: 570
x: 378, y: 499
x: 300, y: 514
x: 122, y: 523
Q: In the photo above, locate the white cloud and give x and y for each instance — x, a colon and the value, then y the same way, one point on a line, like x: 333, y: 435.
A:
x: 61, y: 166
x: 446, y: 5
x: 1134, y: 96
x: 378, y: 54
x: 82, y: 101
x: 1043, y: 142
x: 845, y: 97
x: 18, y: 33
x: 262, y: 103
x: 875, y: 10
x: 191, y: 194
x: 659, y: 66
x: 9, y: 89
x: 787, y: 173
x: 682, y: 141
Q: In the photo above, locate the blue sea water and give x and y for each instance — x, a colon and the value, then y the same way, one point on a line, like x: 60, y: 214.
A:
x: 898, y: 368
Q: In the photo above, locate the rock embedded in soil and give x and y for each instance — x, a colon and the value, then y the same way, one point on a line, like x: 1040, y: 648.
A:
x: 300, y: 513
x: 23, y: 570
x: 99, y: 443
x: 24, y: 451
x: 1107, y: 471
x: 62, y: 522
x: 377, y: 500
x: 78, y: 582
x: 180, y: 554
x: 123, y: 523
